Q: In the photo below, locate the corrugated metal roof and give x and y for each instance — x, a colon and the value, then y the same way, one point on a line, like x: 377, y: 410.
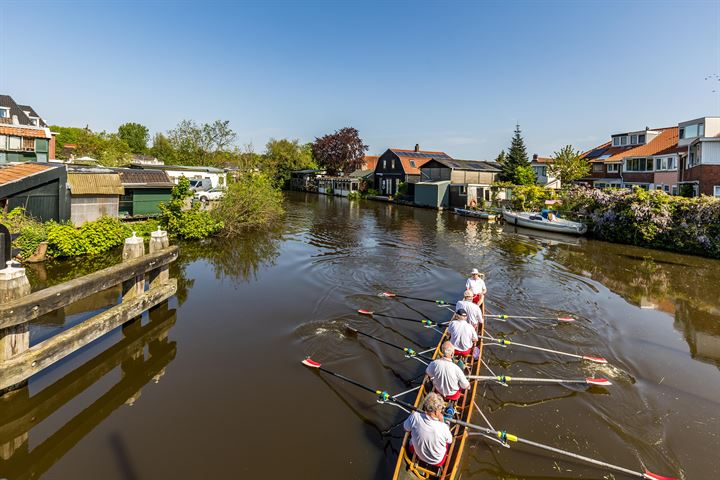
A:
x: 95, y: 184
x: 13, y: 173
x: 145, y: 178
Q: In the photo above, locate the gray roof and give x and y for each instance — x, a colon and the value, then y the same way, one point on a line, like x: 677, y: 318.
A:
x: 28, y: 108
x: 471, y: 165
x: 142, y: 178
x: 15, y: 109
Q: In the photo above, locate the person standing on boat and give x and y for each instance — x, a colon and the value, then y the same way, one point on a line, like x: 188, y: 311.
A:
x: 476, y: 283
x: 429, y: 434
x: 448, y: 379
x: 473, y: 311
x: 462, y: 335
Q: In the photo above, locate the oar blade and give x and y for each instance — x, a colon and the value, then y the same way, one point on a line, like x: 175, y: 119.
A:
x: 362, y: 311
x: 598, y: 381
x: 655, y: 476
x: 386, y: 294
x: 309, y: 362
x: 595, y: 359
x: 565, y: 319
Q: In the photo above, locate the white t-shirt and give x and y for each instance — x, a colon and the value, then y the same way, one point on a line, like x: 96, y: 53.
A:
x: 474, y: 313
x: 447, y: 377
x: 477, y: 286
x: 462, y: 334
x: 430, y: 437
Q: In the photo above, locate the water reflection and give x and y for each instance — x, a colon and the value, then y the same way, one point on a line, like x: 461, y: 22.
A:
x: 21, y: 412
x: 687, y: 288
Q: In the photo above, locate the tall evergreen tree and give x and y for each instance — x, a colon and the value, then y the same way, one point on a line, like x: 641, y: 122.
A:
x: 516, y: 157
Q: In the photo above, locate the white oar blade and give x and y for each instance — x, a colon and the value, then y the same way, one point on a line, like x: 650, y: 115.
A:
x: 655, y: 476
x: 386, y: 294
x: 595, y: 359
x: 309, y: 362
x: 598, y: 381
x: 565, y: 319
x: 365, y: 312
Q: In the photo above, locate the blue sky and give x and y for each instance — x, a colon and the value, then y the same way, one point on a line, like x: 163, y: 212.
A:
x: 452, y: 76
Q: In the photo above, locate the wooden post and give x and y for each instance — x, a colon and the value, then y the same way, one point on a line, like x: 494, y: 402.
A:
x: 158, y: 241
x: 13, y: 341
x: 134, y: 247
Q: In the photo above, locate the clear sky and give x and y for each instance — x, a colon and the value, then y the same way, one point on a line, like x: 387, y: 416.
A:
x: 452, y: 76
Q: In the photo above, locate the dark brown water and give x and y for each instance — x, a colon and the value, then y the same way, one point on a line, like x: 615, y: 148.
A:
x: 211, y: 386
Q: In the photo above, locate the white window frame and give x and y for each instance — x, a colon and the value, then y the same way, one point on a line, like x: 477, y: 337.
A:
x: 598, y: 168
x: 623, y: 141
x: 4, y: 112
x: 633, y: 139
x: 616, y: 141
x: 613, y: 167
x: 716, y: 191
x: 13, y: 137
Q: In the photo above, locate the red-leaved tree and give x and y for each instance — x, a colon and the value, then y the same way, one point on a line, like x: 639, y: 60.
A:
x: 342, y: 151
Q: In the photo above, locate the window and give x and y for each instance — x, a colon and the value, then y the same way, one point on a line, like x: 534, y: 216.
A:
x: 658, y: 164
x: 14, y: 143
x: 598, y: 167
x: 463, y: 189
x: 681, y: 133
x: 633, y: 139
x: 616, y: 141
x: 3, y: 142
x: 641, y: 138
x: 392, y: 164
x: 691, y: 131
x: 623, y: 140
x: 41, y: 157
x: 384, y: 164
x: 716, y: 191
x: 701, y: 130
x: 613, y: 167
x: 638, y: 165
x: 4, y: 112
x: 667, y: 188
x: 671, y: 163
x: 674, y: 190
x: 412, y: 163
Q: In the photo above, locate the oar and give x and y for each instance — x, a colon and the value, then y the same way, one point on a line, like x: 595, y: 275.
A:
x: 409, y: 351
x: 559, y: 319
x: 427, y: 323
x: 395, y: 295
x: 502, y: 435
x: 505, y: 379
x: 503, y: 342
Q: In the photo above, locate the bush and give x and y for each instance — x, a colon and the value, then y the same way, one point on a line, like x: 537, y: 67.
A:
x: 354, y: 196
x: 31, y: 232
x: 250, y: 202
x: 105, y: 233
x: 192, y: 224
x: 530, y: 197
x: 371, y: 192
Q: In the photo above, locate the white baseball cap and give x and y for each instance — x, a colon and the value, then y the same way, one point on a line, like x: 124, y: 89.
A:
x: 475, y: 272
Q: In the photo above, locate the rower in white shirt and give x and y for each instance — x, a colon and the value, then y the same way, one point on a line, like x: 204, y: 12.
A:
x: 429, y: 434
x: 473, y: 311
x: 462, y: 335
x: 476, y: 283
x: 448, y: 379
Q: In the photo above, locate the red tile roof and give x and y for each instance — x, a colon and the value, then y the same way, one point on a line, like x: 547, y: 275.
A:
x: 667, y: 138
x: 370, y: 162
x: 20, y: 131
x: 13, y: 173
x: 417, y: 161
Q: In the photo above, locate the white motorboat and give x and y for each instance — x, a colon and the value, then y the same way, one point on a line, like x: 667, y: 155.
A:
x: 537, y: 221
x: 475, y: 213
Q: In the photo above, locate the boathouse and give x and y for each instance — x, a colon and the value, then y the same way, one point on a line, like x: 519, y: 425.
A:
x: 468, y: 182
x: 39, y: 188
x: 94, y: 193
x: 397, y: 166
x: 145, y: 190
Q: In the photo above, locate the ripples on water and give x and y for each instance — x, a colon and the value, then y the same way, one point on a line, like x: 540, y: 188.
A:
x: 250, y: 308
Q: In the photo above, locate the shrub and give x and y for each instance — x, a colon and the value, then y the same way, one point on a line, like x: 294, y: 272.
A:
x: 250, y: 202
x: 371, y: 192
x: 105, y: 233
x: 190, y: 224
x: 354, y: 196
x: 530, y: 197
x: 31, y: 232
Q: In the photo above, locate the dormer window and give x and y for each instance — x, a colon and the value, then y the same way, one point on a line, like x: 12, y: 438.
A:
x: 33, y: 121
x: 633, y: 139
x: 4, y: 112
x: 641, y: 138
x: 623, y: 141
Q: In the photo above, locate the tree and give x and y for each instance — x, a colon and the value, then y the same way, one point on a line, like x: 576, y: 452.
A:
x: 204, y: 144
x: 162, y: 149
x: 342, y: 151
x: 525, y: 176
x: 568, y: 165
x: 135, y: 135
x: 115, y: 152
x: 283, y: 156
x: 516, y: 157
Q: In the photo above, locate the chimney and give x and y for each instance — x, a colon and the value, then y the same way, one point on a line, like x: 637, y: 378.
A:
x: 535, y: 156
x: 417, y: 147
x: 15, y: 120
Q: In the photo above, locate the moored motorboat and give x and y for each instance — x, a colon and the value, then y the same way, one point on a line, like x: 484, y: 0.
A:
x: 475, y: 213
x: 537, y: 221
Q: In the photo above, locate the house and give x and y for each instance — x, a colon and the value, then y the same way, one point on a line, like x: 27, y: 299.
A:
x: 397, y: 166
x: 342, y: 185
x: 543, y: 177
x: 700, y: 166
x: 466, y: 182
x: 634, y: 158
x: 24, y: 136
x: 145, y: 190
x: 217, y: 176
x: 94, y: 192
x: 305, y: 180
x: 39, y: 188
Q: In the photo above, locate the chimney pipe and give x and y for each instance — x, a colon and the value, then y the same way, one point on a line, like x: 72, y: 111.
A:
x: 535, y: 157
x: 417, y: 147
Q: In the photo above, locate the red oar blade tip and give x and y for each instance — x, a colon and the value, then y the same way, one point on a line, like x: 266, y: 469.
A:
x: 598, y: 381
x: 655, y: 476
x: 309, y: 362
x: 595, y: 359
x: 387, y: 294
x: 565, y: 319
x: 365, y: 312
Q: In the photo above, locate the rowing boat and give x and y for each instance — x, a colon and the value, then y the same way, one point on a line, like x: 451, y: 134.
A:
x: 475, y: 213
x: 532, y: 220
x: 408, y: 466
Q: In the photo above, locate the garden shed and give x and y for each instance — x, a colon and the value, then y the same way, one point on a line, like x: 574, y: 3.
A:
x: 432, y: 194
x: 39, y: 188
x: 145, y: 190
x: 94, y: 193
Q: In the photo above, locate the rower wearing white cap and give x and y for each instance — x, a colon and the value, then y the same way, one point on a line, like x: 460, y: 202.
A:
x: 476, y: 283
x: 474, y: 313
x: 462, y: 334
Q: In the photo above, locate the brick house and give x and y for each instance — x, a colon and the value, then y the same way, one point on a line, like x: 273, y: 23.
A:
x: 24, y: 135
x: 700, y: 166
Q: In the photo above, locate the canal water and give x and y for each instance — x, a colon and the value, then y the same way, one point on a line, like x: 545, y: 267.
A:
x: 211, y: 386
